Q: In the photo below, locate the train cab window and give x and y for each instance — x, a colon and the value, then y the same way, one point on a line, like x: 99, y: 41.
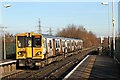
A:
x: 22, y: 41
x: 37, y: 41
x: 29, y: 42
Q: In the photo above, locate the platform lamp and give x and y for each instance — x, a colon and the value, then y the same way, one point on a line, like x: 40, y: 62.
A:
x: 113, y: 28
x: 107, y: 3
x: 4, y: 47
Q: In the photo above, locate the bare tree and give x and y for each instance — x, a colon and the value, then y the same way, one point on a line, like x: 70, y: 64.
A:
x: 73, y: 31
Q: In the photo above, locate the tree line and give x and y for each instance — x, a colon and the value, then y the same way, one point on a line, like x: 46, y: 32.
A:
x: 74, y: 31
x: 71, y: 31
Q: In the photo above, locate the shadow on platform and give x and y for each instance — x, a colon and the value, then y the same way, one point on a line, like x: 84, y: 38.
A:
x: 105, y: 68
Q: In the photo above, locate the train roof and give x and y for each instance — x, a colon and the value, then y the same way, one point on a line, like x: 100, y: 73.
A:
x: 57, y: 37
x: 48, y: 36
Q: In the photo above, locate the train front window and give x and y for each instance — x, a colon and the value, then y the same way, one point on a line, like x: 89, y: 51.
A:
x: 22, y: 41
x: 37, y: 41
x: 29, y: 42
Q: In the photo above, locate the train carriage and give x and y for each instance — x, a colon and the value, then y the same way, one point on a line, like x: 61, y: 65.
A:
x: 32, y: 48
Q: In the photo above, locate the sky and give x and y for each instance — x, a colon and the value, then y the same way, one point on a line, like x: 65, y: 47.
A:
x: 24, y: 16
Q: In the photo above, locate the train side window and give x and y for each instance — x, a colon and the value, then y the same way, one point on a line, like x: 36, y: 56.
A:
x: 63, y: 43
x: 68, y: 44
x: 72, y: 43
x: 75, y: 43
x: 56, y: 43
x: 50, y: 43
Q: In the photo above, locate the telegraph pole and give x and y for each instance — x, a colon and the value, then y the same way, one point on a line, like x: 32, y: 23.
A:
x: 4, y: 44
x: 39, y: 27
x: 1, y: 45
x: 3, y: 30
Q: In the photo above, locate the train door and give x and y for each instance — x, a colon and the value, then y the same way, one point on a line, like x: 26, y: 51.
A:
x: 49, y: 46
x: 53, y: 47
x: 57, y: 45
x: 65, y: 49
x: 61, y: 46
x: 81, y: 44
x: 70, y: 45
x: 76, y: 44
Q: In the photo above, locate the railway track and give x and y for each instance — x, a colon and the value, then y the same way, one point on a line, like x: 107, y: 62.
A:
x: 51, y: 71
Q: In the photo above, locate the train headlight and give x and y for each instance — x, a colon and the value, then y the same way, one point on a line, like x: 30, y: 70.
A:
x: 38, y: 53
x: 19, y: 53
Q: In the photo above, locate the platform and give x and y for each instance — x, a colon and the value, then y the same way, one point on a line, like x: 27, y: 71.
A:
x: 6, y: 67
x: 105, y: 68
x: 96, y: 67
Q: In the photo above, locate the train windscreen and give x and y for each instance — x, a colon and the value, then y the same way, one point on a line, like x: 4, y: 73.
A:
x: 37, y: 41
x: 22, y: 41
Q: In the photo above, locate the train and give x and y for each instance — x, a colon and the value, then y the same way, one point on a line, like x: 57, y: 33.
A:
x: 38, y: 50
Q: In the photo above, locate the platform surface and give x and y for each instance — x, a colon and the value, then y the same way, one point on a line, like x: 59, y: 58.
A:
x: 99, y: 67
x: 105, y: 68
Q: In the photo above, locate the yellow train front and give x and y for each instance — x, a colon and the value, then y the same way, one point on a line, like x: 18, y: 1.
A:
x: 28, y: 49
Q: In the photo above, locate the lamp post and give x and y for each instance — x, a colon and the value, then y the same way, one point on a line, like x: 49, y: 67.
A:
x: 113, y: 29
x: 4, y: 47
x: 107, y: 3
